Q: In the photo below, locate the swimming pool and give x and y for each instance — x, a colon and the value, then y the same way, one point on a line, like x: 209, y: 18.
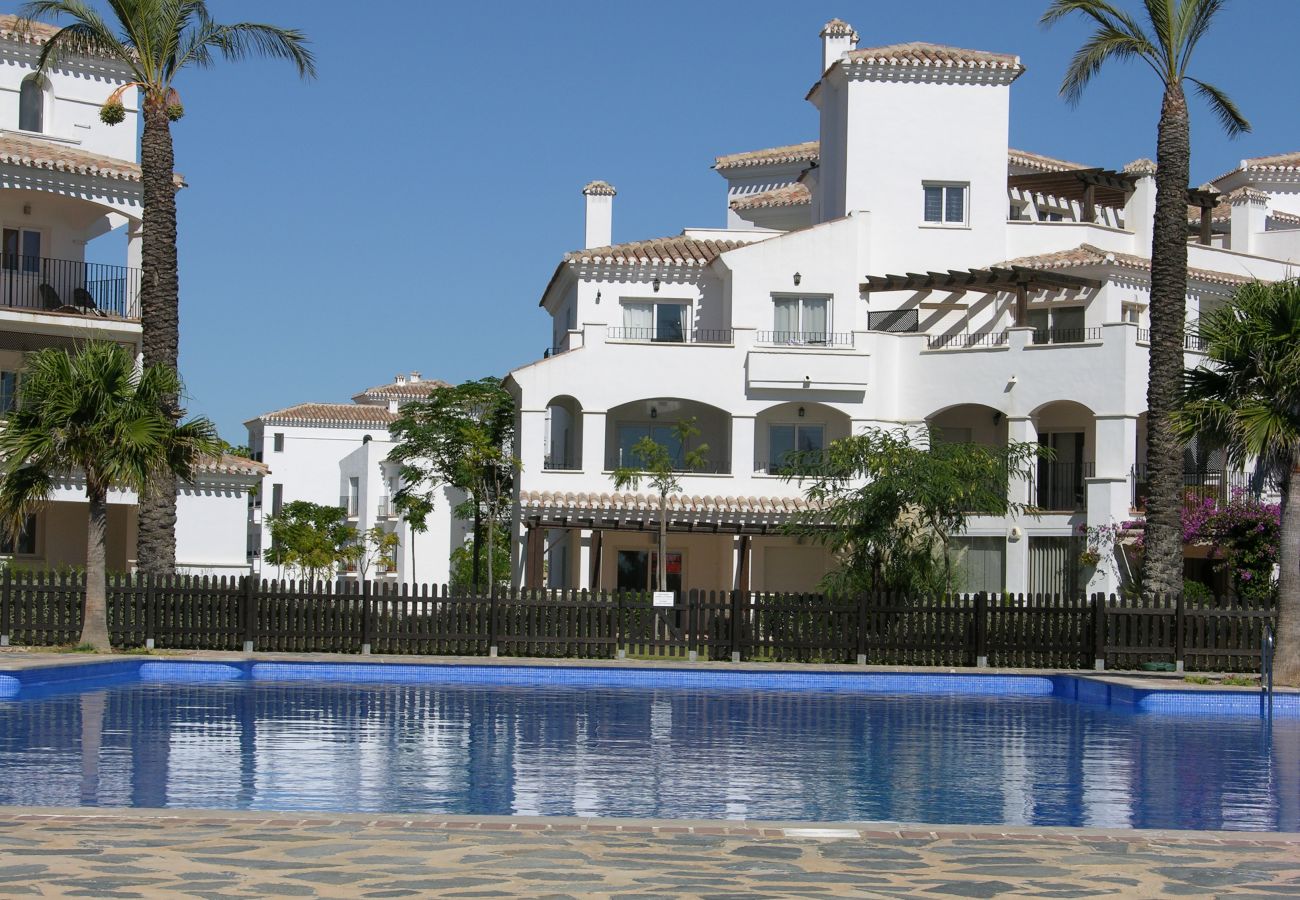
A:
x: 663, y: 743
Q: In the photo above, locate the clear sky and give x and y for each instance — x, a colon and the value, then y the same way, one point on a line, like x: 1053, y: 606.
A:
x: 405, y: 210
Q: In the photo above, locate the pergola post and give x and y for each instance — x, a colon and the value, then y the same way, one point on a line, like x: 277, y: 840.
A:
x: 1207, y: 214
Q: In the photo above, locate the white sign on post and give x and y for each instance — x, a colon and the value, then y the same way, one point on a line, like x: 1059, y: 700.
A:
x: 665, y: 598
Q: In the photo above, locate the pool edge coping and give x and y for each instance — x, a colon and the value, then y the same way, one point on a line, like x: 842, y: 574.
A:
x: 861, y: 830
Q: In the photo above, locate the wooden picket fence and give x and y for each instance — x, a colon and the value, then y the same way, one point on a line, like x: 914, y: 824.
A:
x: 44, y: 609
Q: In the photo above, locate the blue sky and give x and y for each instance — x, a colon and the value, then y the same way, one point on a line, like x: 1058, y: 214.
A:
x: 405, y: 210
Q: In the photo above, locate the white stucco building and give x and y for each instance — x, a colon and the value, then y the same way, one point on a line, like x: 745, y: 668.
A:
x: 337, y: 454
x: 906, y: 268
x: 65, y: 180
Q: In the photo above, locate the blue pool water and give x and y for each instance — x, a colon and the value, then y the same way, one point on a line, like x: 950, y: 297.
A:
x: 645, y: 743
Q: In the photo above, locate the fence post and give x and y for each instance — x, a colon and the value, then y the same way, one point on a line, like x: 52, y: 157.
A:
x: 982, y: 630
x: 862, y: 627
x: 621, y: 651
x: 1178, y: 632
x: 249, y: 614
x: 365, y: 617
x: 692, y: 630
x: 735, y: 626
x: 492, y: 618
x: 6, y: 605
x: 150, y: 613
x: 1099, y: 632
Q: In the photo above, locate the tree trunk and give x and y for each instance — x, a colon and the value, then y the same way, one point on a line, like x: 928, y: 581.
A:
x: 94, y: 610
x: 159, y: 319
x: 478, y: 530
x: 663, y: 542
x: 1287, y: 660
x: 491, y: 559
x: 1163, y: 569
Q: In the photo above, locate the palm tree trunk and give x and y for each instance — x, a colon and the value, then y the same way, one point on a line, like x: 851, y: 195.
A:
x: 94, y: 611
x: 1287, y: 661
x: 1163, y: 570
x: 159, y: 319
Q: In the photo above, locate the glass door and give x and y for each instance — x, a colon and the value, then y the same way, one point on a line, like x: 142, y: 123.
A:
x: 20, y: 264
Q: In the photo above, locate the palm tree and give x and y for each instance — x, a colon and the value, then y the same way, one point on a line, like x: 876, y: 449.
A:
x: 1247, y: 400
x: 157, y: 40
x: 1174, y: 28
x: 93, y: 412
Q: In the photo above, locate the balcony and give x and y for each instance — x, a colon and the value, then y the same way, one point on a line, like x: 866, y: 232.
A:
x: 1198, y: 487
x: 68, y: 286
x: 349, y: 505
x: 966, y: 341
x: 384, y: 509
x: 669, y: 335
x: 1043, y: 336
x: 1060, y: 487
x: 1192, y: 342
x: 561, y: 463
x: 816, y: 339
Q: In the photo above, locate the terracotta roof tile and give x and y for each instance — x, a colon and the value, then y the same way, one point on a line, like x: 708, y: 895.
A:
x: 922, y: 53
x: 20, y: 150
x: 805, y: 152
x: 25, y: 31
x: 229, y: 464
x: 1039, y: 162
x: 786, y: 195
x: 1278, y: 162
x: 680, y: 250
x: 704, y: 504
x: 599, y: 189
x: 409, y: 390
x: 359, y: 415
x: 1088, y: 255
x: 838, y: 28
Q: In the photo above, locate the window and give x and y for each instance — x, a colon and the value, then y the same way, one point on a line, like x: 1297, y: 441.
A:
x: 277, y: 442
x: 662, y: 322
x: 663, y: 435
x: 1058, y: 326
x: 354, y: 495
x: 31, y: 104
x: 638, y: 570
x: 21, y: 250
x: 945, y: 204
x: 1047, y: 214
x: 1054, y: 566
x: 801, y: 320
x: 1017, y: 212
x: 783, y: 441
x: 979, y: 563
x: 1133, y: 314
x: 8, y: 391
x: 25, y: 545
x: 277, y: 499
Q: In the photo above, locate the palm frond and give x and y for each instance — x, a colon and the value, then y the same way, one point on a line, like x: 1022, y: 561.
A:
x: 1230, y: 118
x: 87, y: 34
x: 244, y: 39
x: 1117, y: 36
x: 1195, y: 19
x: 1163, y: 18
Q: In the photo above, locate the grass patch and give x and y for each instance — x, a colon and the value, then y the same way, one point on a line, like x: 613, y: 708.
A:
x: 1198, y: 679
x: 1241, y: 680
x: 75, y: 648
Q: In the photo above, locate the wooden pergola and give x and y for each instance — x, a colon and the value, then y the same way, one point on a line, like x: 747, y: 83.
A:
x: 1106, y: 188
x: 1018, y: 280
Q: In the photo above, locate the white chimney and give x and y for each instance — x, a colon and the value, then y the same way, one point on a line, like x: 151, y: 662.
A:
x: 415, y: 377
x: 838, y: 38
x: 600, y: 214
x: 399, y: 379
x: 1140, y: 208
x: 1249, y: 218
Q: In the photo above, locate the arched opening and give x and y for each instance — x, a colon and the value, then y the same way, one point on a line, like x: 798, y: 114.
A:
x: 788, y: 429
x: 563, y: 434
x: 656, y: 419
x: 31, y: 104
x: 969, y: 423
x: 1067, y: 434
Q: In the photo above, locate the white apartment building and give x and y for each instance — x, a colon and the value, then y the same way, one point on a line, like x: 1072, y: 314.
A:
x: 337, y: 454
x: 65, y: 180
x: 905, y: 269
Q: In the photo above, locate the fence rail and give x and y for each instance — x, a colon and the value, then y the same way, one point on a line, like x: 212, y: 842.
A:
x: 68, y: 285
x: 44, y: 609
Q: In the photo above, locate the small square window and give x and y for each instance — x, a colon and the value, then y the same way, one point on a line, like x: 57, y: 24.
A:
x: 945, y: 204
x: 278, y: 442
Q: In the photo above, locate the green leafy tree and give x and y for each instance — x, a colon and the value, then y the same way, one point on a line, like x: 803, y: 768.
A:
x: 1165, y: 42
x: 887, y: 505
x: 311, y: 539
x: 1246, y: 399
x: 156, y: 40
x: 662, y: 469
x: 462, y: 562
x: 414, y: 510
x: 93, y: 413
x: 374, y: 548
x: 462, y: 436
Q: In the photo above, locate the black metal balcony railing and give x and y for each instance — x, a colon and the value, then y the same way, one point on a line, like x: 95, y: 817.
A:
x: 956, y: 341
x: 1208, y: 484
x: 65, y: 285
x: 1192, y: 342
x: 1065, y: 335
x: 1060, y: 487
x: 671, y: 335
x: 348, y: 505
x: 561, y: 464
x: 806, y: 461
x: 807, y: 338
x: 384, y: 508
x: 712, y: 467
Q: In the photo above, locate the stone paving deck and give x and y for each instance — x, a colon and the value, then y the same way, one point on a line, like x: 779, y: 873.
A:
x: 165, y: 853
